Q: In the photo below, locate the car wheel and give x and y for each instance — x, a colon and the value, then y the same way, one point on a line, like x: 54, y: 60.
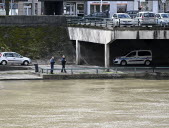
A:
x: 123, y: 63
x: 25, y: 62
x: 147, y: 63
x: 4, y: 62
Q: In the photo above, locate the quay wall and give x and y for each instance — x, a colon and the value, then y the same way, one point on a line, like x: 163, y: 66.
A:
x: 155, y: 75
x: 37, y: 37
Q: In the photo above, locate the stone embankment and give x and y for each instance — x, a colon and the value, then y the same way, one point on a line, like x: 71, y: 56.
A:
x: 18, y: 73
x: 28, y: 73
x: 154, y: 75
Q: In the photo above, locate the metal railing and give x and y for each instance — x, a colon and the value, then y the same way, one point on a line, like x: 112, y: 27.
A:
x: 111, y: 70
x: 107, y: 22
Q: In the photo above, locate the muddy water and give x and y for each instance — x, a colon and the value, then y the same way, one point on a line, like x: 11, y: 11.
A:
x: 84, y: 104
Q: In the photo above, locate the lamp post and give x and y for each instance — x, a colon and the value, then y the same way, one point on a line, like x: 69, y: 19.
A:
x: 33, y: 7
x: 163, y: 1
x: 101, y: 2
x: 11, y: 7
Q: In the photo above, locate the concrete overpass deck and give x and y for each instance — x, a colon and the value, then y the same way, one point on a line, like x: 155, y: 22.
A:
x: 107, y: 36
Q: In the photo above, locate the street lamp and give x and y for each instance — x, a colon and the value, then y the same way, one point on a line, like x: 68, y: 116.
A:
x: 101, y: 2
x: 163, y: 1
x: 33, y: 7
x: 11, y: 7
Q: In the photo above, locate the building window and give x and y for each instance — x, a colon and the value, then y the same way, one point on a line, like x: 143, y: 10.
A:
x: 121, y: 8
x: 80, y: 9
x: 95, y: 6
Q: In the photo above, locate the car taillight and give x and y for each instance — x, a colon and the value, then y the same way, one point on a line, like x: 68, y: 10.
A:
x: 0, y: 54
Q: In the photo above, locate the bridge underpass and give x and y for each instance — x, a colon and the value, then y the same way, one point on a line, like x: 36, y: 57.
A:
x: 118, y: 42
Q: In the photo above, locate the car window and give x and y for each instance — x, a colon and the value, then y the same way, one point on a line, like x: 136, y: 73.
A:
x: 135, y: 12
x: 165, y: 15
x: 132, y: 54
x: 16, y: 55
x: 123, y: 16
x: 140, y: 15
x: 94, y: 14
x: 115, y: 16
x: 149, y: 15
x: 144, y: 53
x: 137, y: 15
x: 8, y: 54
x: 157, y: 15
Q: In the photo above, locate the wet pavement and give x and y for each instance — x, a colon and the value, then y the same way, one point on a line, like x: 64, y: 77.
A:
x: 30, y: 74
x: 127, y: 103
x: 19, y: 75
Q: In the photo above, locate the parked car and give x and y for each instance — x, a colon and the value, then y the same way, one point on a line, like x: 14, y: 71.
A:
x: 96, y: 15
x: 135, y: 57
x: 132, y: 13
x: 145, y: 18
x: 162, y: 19
x: 13, y: 58
x: 122, y: 19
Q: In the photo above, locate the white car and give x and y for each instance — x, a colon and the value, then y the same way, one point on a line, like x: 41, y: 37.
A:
x: 135, y: 57
x: 162, y: 19
x: 122, y: 19
x: 13, y: 58
x: 145, y: 18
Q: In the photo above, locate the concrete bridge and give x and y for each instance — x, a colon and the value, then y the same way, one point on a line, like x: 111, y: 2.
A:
x: 103, y: 36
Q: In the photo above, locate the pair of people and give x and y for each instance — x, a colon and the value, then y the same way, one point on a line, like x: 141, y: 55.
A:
x: 52, y: 62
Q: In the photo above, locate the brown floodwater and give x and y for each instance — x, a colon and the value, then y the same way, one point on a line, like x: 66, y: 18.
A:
x: 128, y: 103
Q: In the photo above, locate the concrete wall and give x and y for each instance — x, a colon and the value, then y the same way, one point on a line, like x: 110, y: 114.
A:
x: 105, y: 36
x: 35, y: 20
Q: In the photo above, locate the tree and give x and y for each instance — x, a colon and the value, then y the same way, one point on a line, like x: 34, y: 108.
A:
x: 7, y: 6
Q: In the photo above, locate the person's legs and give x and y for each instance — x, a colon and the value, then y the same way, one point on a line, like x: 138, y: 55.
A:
x: 52, y: 66
x: 64, y: 69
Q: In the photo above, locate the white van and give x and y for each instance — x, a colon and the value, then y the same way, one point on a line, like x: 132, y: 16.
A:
x: 145, y: 18
x: 135, y: 57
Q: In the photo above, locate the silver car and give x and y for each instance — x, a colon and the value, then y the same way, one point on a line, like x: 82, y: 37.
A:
x: 162, y: 19
x: 13, y: 58
x: 122, y: 19
x: 145, y: 18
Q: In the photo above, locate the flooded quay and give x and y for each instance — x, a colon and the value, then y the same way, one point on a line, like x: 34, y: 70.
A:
x: 127, y: 103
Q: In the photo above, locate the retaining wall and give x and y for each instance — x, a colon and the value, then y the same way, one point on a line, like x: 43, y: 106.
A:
x: 32, y: 20
x: 156, y: 75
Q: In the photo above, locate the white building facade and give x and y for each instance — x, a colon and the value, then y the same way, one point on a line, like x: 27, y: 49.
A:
x: 81, y: 8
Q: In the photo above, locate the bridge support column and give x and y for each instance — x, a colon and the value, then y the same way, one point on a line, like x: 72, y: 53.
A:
x: 77, y: 52
x: 107, y: 56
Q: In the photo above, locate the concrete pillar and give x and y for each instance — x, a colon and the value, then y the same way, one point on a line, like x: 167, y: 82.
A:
x: 77, y: 52
x: 136, y: 6
x: 33, y: 7
x: 155, y: 7
x: 107, y: 55
x: 113, y: 8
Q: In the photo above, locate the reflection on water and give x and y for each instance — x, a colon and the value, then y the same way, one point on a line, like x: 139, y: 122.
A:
x: 84, y: 104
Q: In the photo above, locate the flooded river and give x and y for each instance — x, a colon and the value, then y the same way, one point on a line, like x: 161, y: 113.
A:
x: 126, y: 103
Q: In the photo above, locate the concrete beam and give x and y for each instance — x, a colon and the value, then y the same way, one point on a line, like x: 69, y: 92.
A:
x: 102, y: 36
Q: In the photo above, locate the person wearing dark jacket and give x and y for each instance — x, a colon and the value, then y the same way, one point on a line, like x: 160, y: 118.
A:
x: 52, y: 62
x: 63, y: 61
